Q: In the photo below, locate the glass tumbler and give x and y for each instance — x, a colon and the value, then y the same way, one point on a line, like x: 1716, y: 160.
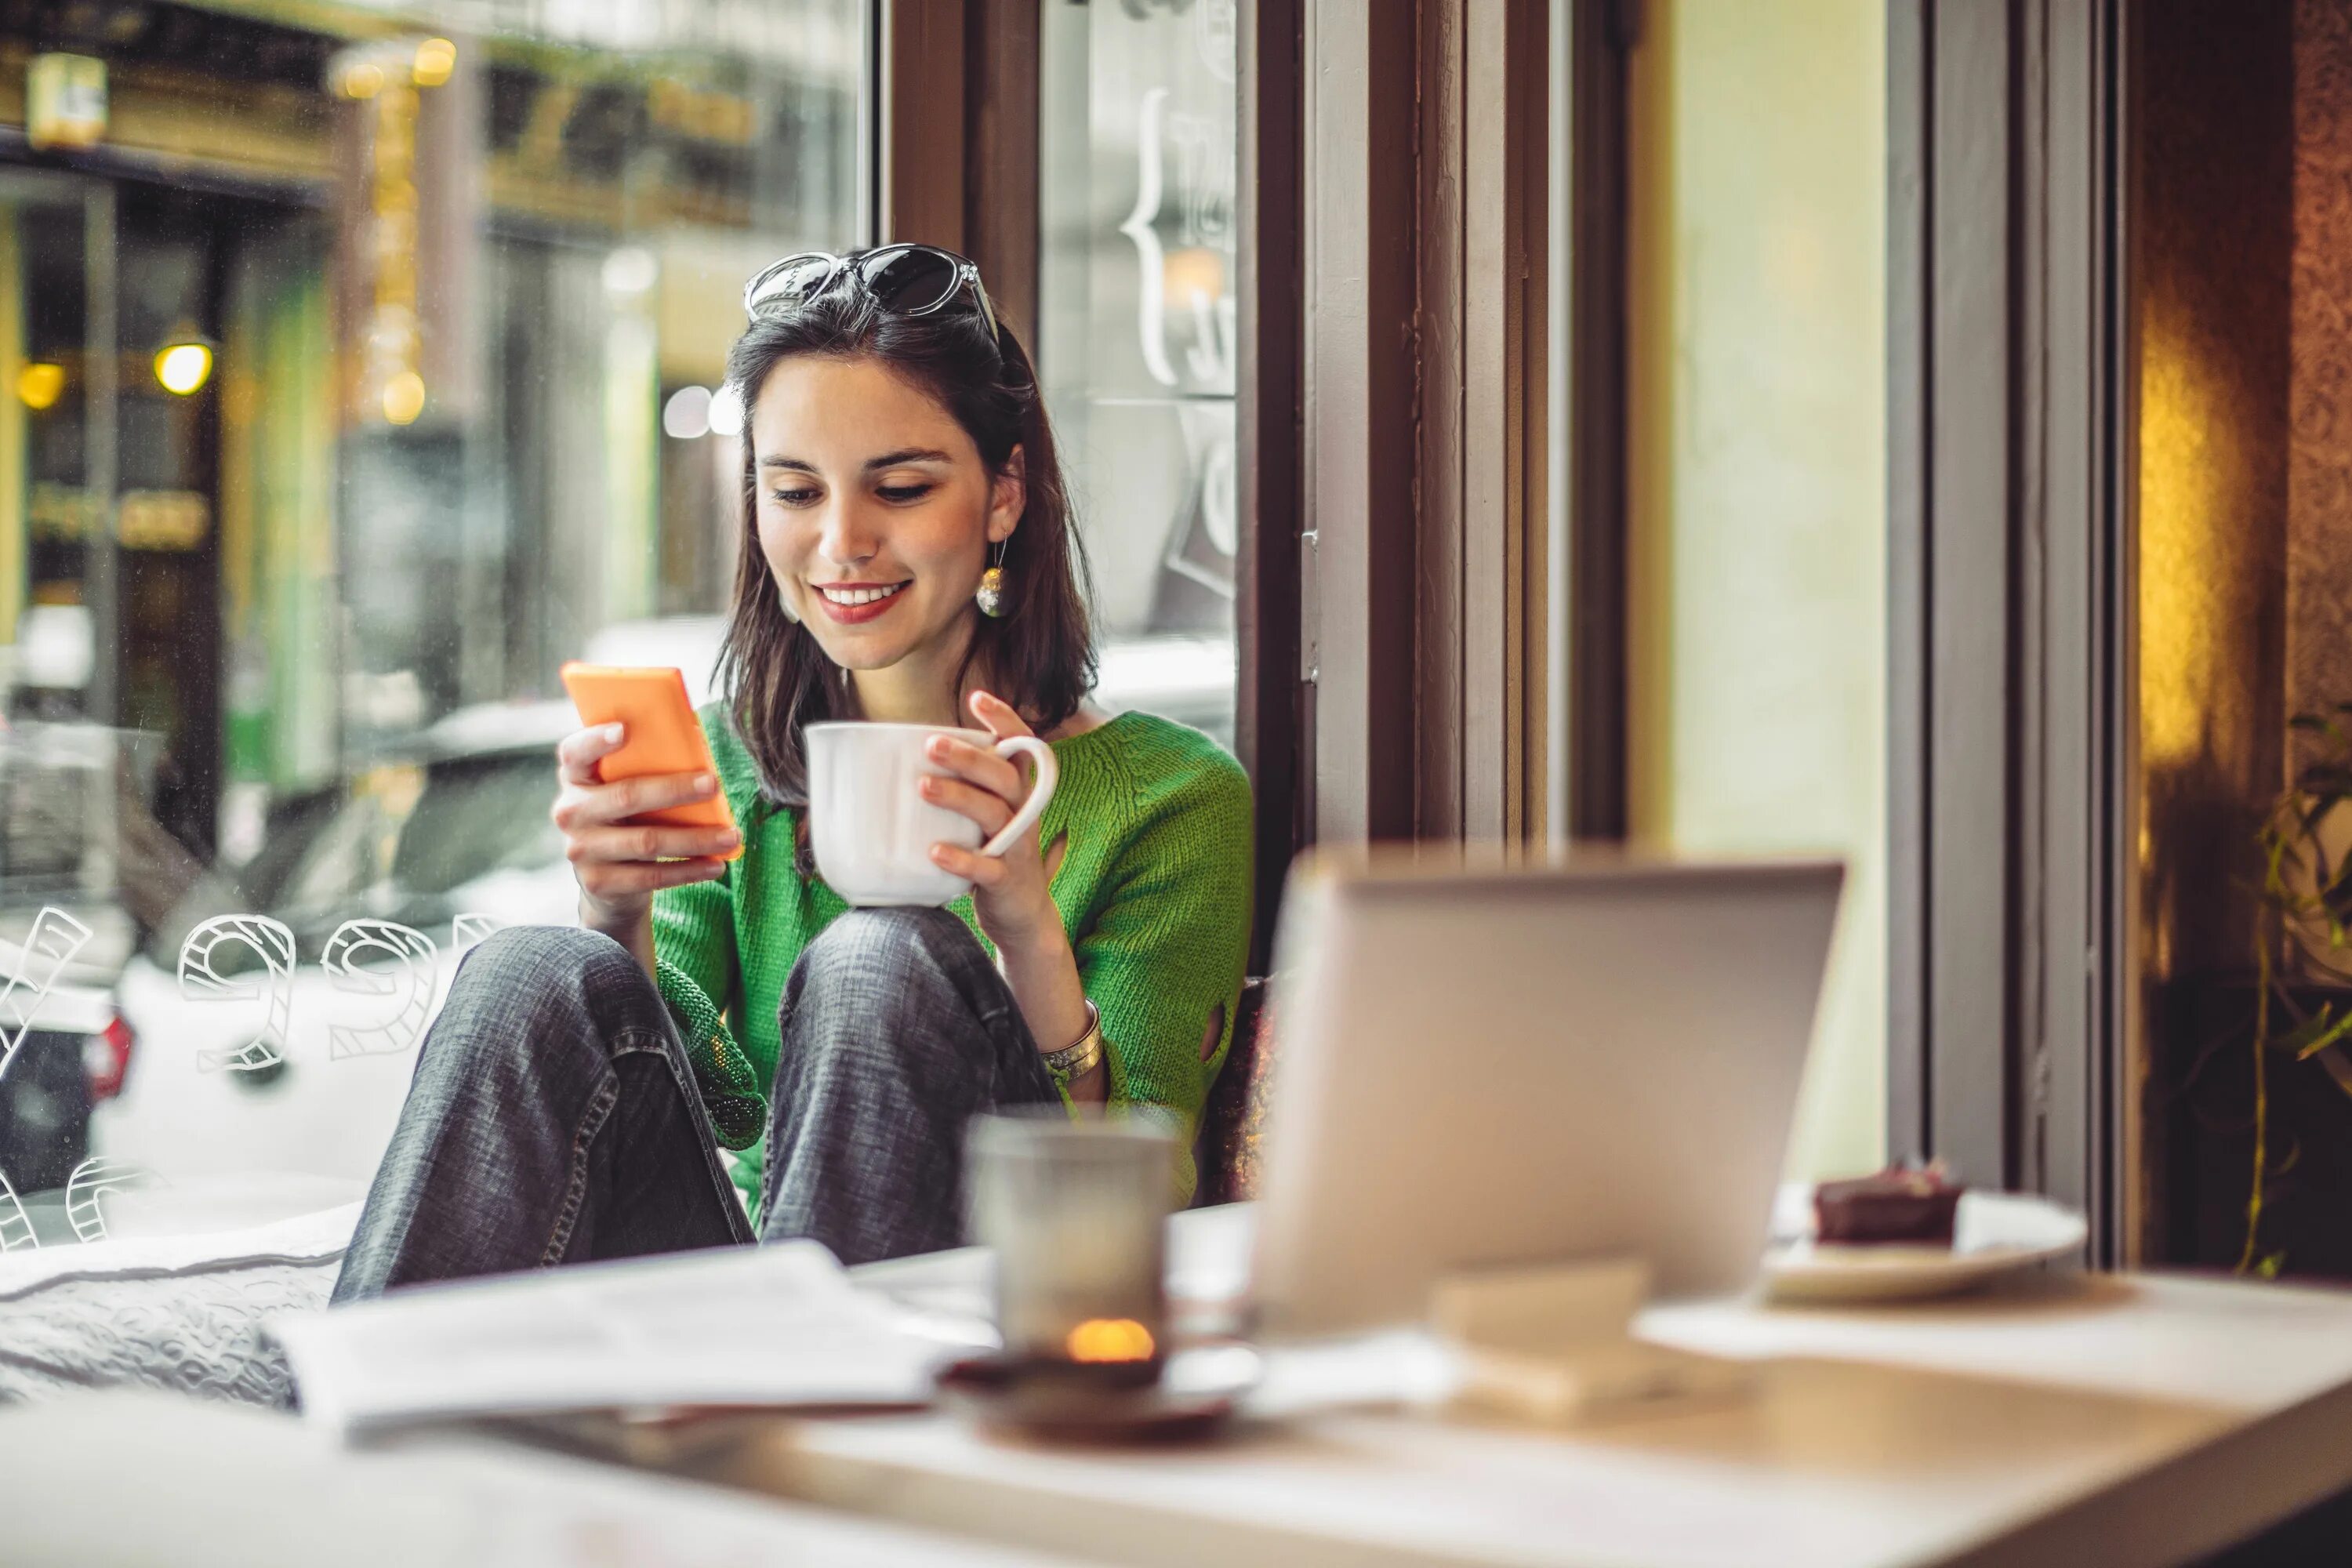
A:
x: 1076, y: 1213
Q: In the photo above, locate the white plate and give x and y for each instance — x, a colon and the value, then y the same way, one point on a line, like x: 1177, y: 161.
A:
x: 1995, y: 1234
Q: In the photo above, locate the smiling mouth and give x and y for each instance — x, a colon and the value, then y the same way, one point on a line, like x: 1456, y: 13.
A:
x: 851, y: 597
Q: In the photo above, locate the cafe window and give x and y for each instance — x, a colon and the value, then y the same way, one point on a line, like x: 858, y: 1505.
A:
x: 359, y: 364
x: 1136, y: 331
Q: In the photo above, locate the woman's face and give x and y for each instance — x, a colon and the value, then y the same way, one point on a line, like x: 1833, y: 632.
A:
x: 875, y: 510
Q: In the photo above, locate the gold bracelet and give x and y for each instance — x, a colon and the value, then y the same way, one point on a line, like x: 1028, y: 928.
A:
x: 1080, y: 1057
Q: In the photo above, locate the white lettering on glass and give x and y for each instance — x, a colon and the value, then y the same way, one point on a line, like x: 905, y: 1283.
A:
x: 468, y: 931
x: 1197, y: 273
x: 16, y: 1225
x: 201, y: 980
x: 91, y: 1181
x: 1204, y: 175
x: 1151, y: 301
x: 403, y: 968
x: 49, y: 947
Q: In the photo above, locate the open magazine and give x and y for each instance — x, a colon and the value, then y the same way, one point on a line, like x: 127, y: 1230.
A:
x: 768, y: 1327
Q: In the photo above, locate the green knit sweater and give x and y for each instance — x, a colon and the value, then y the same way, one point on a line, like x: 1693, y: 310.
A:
x: 1153, y: 886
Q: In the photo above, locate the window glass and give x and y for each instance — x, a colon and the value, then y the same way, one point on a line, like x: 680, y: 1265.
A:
x: 356, y: 370
x: 1135, y: 335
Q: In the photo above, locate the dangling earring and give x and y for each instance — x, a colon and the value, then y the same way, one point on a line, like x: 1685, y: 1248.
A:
x: 991, y: 598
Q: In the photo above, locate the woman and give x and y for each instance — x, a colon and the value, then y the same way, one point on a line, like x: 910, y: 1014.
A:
x: 604, y: 1093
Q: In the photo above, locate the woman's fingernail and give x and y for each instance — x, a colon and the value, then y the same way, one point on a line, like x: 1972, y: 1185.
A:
x: 704, y: 784
x: 612, y: 732
x: 927, y: 786
x: 730, y: 838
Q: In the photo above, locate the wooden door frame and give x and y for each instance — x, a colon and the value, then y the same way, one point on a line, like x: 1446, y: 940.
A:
x: 921, y: 162
x: 956, y: 165
x: 2008, y: 608
x: 1591, y: 790
x: 957, y: 124
x: 1270, y: 723
x: 1000, y: 115
x: 1423, y: 374
x: 1358, y: 374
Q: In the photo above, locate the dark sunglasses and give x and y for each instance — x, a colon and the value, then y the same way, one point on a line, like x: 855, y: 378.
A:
x: 905, y: 279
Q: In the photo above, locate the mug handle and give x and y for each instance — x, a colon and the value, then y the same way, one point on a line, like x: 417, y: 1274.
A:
x: 1049, y: 773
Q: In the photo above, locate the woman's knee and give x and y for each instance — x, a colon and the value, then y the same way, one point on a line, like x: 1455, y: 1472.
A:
x: 883, y: 982
x: 515, y: 956
x: 892, y: 946
x: 523, y: 986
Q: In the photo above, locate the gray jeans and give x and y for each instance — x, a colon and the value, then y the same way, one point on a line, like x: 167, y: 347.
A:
x: 553, y: 1118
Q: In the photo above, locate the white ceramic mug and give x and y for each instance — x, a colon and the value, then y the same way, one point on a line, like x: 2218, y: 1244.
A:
x: 872, y: 832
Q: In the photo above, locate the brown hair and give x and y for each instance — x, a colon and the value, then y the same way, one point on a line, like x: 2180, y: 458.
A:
x: 1040, y: 655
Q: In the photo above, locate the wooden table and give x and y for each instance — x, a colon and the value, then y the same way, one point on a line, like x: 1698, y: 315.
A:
x: 143, y: 1479
x: 2075, y: 1420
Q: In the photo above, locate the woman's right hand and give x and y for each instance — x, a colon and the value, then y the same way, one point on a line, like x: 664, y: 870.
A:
x: 620, y: 868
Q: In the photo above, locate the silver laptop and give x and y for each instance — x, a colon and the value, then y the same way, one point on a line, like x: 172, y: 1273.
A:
x: 1514, y: 1067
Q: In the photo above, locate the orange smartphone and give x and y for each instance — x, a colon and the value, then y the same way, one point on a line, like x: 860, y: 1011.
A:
x: 660, y: 734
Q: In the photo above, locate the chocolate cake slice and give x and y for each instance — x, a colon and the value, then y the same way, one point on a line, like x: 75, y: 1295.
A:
x: 1896, y: 1206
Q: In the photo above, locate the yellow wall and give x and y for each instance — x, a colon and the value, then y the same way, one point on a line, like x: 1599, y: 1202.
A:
x: 1759, y: 478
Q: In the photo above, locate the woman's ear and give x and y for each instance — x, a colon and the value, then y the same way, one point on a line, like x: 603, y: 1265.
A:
x: 1008, y: 497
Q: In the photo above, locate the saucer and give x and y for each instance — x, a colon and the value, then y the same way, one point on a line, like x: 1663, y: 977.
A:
x: 1996, y: 1234
x: 1196, y: 1393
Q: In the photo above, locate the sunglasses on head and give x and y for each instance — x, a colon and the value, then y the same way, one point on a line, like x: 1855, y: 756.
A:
x: 905, y: 279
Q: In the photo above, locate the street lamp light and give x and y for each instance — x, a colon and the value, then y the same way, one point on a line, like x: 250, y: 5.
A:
x: 436, y: 59
x: 40, y: 383
x: 404, y: 398
x: 184, y: 364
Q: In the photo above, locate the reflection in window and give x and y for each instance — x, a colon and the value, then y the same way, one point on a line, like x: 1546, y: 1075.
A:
x: 1136, y: 333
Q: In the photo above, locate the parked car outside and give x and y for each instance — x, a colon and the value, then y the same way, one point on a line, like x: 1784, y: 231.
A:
x: 431, y: 848
x: 73, y: 823
x: 285, y: 1043
x: 56, y: 1065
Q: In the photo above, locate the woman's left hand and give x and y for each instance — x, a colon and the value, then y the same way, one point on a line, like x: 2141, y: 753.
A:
x: 1009, y: 892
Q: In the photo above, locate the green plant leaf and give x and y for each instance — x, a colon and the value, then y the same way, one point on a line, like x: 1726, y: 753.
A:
x: 2308, y: 1028
x: 2275, y: 859
x: 2328, y: 1036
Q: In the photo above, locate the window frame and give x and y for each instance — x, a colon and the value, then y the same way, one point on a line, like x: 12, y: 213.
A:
x: 2012, y: 807
x: 957, y: 118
